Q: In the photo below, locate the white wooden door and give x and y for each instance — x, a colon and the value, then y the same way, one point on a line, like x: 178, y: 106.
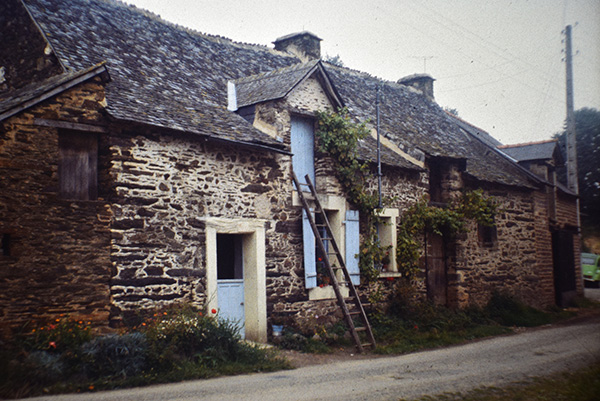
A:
x: 230, y: 279
x: 230, y: 294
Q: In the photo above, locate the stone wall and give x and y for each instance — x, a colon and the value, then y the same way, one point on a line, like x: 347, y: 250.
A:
x: 165, y: 187
x: 515, y: 263
x: 26, y: 55
x: 59, y: 250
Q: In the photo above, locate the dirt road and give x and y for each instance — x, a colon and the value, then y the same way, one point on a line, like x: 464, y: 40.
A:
x: 484, y: 363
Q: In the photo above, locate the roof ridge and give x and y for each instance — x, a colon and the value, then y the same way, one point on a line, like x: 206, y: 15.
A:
x: 215, y: 38
x: 286, y: 69
x: 519, y: 145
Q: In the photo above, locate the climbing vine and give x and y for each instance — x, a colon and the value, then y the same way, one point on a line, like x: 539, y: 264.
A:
x: 422, y: 217
x: 339, y: 136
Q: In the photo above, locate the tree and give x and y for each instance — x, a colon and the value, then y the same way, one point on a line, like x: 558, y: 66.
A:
x: 587, y: 128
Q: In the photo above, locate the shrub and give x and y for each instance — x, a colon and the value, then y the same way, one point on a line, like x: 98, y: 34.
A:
x: 115, y: 355
x: 508, y: 311
x: 186, y: 333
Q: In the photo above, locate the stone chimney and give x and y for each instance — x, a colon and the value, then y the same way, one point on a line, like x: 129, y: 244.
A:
x: 421, y: 82
x: 304, y: 45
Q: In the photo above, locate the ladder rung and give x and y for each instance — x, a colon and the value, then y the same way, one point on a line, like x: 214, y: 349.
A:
x: 353, y: 301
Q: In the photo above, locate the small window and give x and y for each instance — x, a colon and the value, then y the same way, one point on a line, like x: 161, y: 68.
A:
x: 5, y: 245
x: 488, y: 235
x: 78, y: 165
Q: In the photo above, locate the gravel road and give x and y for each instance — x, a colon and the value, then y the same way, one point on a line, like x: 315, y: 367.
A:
x: 489, y: 362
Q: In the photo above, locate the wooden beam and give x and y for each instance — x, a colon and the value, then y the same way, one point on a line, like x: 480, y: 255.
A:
x: 69, y: 125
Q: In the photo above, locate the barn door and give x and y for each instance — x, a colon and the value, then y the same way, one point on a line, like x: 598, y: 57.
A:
x: 563, y: 257
x: 437, y: 282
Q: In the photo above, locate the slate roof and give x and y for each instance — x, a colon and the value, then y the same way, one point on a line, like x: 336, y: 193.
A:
x: 161, y: 73
x: 542, y: 150
x: 475, y: 131
x: 35, y: 92
x: 272, y: 85
x: 416, y: 123
x: 177, y: 78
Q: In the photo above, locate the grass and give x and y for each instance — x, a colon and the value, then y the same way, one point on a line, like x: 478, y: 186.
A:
x: 409, y: 326
x: 580, y: 385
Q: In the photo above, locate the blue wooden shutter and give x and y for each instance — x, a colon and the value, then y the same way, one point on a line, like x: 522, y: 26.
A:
x: 352, y: 245
x: 310, y: 268
x: 303, y: 148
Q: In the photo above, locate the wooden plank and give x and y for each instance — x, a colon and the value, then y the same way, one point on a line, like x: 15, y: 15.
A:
x: 69, y: 125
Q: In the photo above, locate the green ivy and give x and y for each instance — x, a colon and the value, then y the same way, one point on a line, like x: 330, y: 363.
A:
x: 339, y: 136
x: 422, y: 217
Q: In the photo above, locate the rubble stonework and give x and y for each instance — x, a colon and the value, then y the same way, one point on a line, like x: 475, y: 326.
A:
x: 176, y: 167
x: 59, y: 251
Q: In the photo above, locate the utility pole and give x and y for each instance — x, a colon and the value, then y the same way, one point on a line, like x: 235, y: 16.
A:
x: 571, y: 139
x: 378, y: 149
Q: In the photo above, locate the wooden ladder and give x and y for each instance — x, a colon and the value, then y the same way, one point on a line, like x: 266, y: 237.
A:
x: 322, y: 243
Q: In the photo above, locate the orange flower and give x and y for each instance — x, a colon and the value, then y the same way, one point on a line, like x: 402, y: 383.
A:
x: 200, y: 313
x: 52, y: 344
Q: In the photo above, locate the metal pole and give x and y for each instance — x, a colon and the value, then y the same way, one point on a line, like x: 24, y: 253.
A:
x: 378, y: 150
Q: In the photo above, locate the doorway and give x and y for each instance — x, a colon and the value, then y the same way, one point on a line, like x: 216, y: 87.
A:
x: 236, y: 273
x: 436, y: 266
x: 563, y: 255
x: 230, y: 279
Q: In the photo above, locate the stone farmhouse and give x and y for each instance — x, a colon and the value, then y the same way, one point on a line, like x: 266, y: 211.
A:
x: 144, y: 164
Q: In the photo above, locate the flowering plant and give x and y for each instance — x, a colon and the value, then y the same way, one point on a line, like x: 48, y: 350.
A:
x: 62, y: 333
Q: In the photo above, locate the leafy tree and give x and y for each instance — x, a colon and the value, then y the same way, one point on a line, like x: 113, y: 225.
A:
x: 587, y: 123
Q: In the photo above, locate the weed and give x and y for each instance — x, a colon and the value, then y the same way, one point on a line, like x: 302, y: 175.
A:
x: 507, y: 311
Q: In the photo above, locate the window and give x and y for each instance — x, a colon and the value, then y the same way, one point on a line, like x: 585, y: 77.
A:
x: 78, y: 165
x: 488, y: 235
x: 435, y: 181
x: 5, y: 245
x: 315, y: 274
x: 387, y: 237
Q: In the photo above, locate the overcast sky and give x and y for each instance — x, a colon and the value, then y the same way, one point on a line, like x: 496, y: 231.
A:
x: 498, y: 62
